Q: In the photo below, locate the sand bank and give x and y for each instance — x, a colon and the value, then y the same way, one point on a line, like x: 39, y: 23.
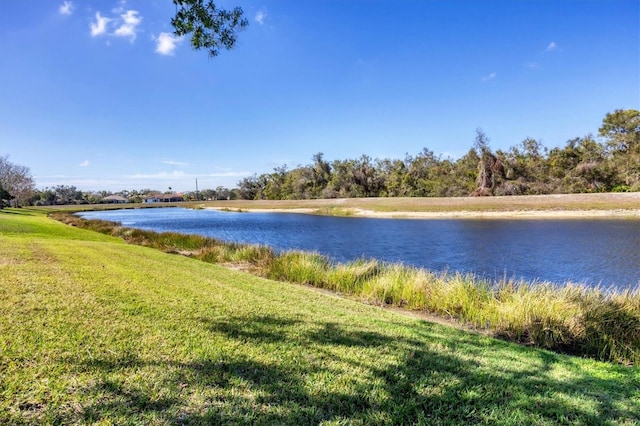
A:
x: 508, y: 214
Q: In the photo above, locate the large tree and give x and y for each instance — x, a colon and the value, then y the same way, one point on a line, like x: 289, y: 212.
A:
x: 208, y: 26
x: 621, y: 129
x: 17, y: 181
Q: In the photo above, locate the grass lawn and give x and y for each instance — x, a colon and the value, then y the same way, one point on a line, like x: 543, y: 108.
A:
x: 93, y: 330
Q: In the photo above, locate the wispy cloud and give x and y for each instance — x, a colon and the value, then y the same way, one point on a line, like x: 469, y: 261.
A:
x: 167, y: 43
x: 531, y: 65
x: 490, y: 76
x: 122, y: 4
x: 552, y: 47
x: 99, y: 27
x: 66, y: 8
x: 260, y: 17
x: 175, y: 163
x: 85, y: 163
x: 129, y: 22
x: 119, y: 23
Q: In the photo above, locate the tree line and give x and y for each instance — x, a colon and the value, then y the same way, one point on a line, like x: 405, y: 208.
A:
x: 608, y: 163
x: 584, y: 164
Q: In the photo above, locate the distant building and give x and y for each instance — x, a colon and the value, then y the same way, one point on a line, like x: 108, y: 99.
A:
x: 114, y: 199
x: 163, y: 198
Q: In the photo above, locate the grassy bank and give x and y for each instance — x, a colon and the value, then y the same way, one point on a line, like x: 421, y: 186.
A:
x: 93, y: 330
x: 574, y: 319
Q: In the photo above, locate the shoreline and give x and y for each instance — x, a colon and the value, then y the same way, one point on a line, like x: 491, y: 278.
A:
x: 553, y: 206
x: 461, y: 214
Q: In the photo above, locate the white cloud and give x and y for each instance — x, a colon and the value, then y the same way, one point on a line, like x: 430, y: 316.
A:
x: 166, y: 43
x: 121, y: 23
x: 552, y: 47
x: 175, y: 163
x: 260, y: 17
x: 531, y: 65
x: 129, y: 26
x: 66, y: 8
x: 491, y: 76
x: 120, y: 8
x: 85, y: 163
x: 100, y: 26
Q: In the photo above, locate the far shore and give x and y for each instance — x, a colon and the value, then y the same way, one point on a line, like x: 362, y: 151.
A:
x: 563, y: 206
x: 522, y: 214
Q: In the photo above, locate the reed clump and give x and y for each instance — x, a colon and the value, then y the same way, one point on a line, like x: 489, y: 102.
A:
x: 299, y: 267
x: 221, y: 252
x: 585, y: 321
x: 610, y: 326
x: 387, y: 286
x: 538, y: 314
x: 349, y: 278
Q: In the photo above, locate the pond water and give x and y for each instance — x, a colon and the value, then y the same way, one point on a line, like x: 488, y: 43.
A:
x: 596, y: 251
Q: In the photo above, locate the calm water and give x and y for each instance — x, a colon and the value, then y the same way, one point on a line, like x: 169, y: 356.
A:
x: 588, y: 251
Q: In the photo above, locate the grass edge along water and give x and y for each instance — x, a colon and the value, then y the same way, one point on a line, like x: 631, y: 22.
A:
x: 573, y: 318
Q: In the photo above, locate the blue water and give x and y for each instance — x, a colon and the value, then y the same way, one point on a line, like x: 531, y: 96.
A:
x: 605, y: 252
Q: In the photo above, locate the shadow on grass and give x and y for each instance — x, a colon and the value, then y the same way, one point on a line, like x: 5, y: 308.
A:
x: 19, y: 211
x: 326, y: 371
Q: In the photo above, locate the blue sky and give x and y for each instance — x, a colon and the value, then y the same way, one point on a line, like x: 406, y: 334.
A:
x: 99, y: 95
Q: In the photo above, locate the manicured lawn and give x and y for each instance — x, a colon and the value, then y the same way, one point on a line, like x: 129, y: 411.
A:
x: 93, y: 330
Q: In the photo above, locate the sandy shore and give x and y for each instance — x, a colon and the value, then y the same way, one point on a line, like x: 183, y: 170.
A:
x: 524, y: 214
x: 557, y: 206
x: 520, y: 214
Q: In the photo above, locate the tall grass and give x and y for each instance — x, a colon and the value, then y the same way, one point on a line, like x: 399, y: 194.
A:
x: 349, y: 278
x: 299, y: 267
x: 577, y: 319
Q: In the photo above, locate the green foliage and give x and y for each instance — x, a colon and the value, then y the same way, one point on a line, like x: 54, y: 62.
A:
x: 621, y: 188
x: 621, y: 128
x: 208, y: 26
